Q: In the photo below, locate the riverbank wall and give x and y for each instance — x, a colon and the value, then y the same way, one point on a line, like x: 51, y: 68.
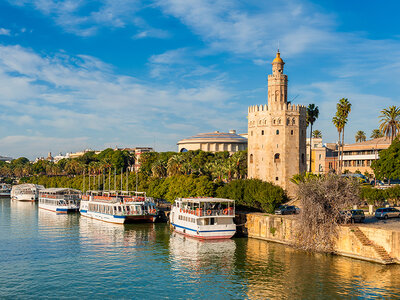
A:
x: 356, y: 241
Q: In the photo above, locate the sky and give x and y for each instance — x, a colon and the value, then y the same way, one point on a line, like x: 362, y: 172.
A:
x: 78, y: 74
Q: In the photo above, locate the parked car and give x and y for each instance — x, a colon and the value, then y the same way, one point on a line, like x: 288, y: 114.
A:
x: 378, y: 182
x: 387, y: 212
x: 352, y: 216
x: 286, y: 210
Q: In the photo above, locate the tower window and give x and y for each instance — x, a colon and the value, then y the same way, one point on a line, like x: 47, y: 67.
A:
x: 276, y: 157
x: 277, y: 132
x: 262, y: 132
x: 291, y: 132
x: 276, y: 178
x: 251, y: 158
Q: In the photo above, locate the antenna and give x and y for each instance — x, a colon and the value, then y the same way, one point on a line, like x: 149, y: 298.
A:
x: 278, y: 45
x: 294, y: 98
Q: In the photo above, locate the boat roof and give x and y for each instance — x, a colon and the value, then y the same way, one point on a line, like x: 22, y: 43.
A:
x: 59, y: 190
x: 204, y: 200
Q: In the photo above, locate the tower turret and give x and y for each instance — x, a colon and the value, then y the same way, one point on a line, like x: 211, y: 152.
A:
x: 277, y: 83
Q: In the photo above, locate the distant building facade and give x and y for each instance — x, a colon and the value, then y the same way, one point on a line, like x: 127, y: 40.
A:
x: 359, y: 156
x: 318, y: 155
x: 214, y: 142
x: 277, y: 134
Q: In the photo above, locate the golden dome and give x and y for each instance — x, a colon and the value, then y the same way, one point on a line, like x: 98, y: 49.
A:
x: 278, y: 58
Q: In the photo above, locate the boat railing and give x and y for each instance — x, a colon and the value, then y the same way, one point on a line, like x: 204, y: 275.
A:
x: 209, y: 212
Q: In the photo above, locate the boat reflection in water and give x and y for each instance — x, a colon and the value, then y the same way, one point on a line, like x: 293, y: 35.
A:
x: 195, y: 254
x: 275, y: 270
x: 106, y: 234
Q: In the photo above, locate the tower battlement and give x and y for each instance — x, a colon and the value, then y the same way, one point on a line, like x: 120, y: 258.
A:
x: 283, y: 106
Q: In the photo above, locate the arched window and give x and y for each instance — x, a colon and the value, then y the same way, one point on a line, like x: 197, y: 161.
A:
x: 184, y: 150
x: 279, y: 121
x: 262, y: 132
x: 287, y: 121
x: 251, y: 158
x: 293, y: 121
x: 274, y: 122
x: 277, y: 132
x: 291, y: 132
x: 276, y: 157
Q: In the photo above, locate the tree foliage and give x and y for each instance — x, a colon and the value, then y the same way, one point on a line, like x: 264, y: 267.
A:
x: 388, y: 164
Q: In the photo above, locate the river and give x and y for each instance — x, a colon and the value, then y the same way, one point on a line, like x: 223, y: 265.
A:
x: 67, y: 256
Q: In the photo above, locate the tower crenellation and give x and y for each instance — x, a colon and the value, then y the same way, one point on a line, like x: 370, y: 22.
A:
x: 276, y: 133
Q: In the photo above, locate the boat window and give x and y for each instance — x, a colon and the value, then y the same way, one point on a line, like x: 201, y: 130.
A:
x: 212, y: 221
x: 127, y: 208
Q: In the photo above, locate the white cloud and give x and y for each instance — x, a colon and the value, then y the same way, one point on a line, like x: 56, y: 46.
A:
x: 64, y: 96
x: 4, y: 31
x: 253, y: 27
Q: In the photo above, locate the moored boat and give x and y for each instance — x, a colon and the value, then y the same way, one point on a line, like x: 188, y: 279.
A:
x: 204, y: 218
x: 26, y: 192
x: 5, y: 190
x: 118, y: 207
x: 60, y: 200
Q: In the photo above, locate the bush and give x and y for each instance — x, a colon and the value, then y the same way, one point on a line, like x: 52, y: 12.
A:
x: 372, y: 195
x: 322, y: 200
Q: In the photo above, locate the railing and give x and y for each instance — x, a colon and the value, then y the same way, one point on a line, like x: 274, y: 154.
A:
x: 208, y: 212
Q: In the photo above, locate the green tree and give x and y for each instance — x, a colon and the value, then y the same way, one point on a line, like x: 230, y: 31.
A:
x: 376, y: 133
x: 312, y: 116
x: 360, y: 136
x: 388, y: 163
x: 390, y: 122
x: 316, y: 134
x: 343, y: 109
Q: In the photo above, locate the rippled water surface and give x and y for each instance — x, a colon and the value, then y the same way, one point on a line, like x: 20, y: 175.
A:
x: 65, y: 256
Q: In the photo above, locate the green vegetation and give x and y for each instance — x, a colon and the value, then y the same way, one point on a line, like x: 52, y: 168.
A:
x: 343, y: 109
x: 360, y: 136
x: 312, y: 116
x: 388, y: 164
x: 376, y: 133
x: 166, y: 175
x: 390, y: 122
x: 378, y: 197
x: 317, y: 134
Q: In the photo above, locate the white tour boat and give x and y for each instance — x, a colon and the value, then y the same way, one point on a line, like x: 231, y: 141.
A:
x: 204, y: 218
x: 26, y: 192
x: 60, y: 200
x: 5, y: 190
x: 118, y: 207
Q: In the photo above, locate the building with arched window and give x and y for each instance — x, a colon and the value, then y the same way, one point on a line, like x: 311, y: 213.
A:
x: 214, y: 142
x: 277, y: 133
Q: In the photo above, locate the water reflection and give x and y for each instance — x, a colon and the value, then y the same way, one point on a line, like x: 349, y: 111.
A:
x: 103, y: 233
x: 274, y: 270
x: 187, y: 252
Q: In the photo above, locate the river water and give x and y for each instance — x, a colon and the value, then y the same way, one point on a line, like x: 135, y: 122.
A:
x: 44, y: 255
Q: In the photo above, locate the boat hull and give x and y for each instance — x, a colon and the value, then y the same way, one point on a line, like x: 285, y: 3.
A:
x: 58, y: 209
x: 27, y: 198
x: 204, y: 234
x: 118, y: 219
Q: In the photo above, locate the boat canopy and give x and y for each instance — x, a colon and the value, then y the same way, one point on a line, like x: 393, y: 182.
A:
x: 204, y: 200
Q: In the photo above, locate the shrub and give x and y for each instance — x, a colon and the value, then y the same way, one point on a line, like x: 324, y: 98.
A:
x: 322, y: 200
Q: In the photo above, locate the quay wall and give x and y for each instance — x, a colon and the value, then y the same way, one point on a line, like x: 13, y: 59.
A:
x: 357, y: 241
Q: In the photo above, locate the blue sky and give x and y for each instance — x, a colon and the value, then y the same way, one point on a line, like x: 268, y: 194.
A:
x: 93, y: 74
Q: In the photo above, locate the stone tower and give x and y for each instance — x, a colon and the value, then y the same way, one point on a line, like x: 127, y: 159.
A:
x: 277, y: 134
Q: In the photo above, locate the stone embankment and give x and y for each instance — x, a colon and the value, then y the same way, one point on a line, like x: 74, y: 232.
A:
x: 358, y: 241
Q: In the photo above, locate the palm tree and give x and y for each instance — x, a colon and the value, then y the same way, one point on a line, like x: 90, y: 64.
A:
x: 390, y: 122
x: 312, y: 116
x: 316, y: 134
x: 360, y: 136
x: 343, y: 108
x: 376, y: 133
